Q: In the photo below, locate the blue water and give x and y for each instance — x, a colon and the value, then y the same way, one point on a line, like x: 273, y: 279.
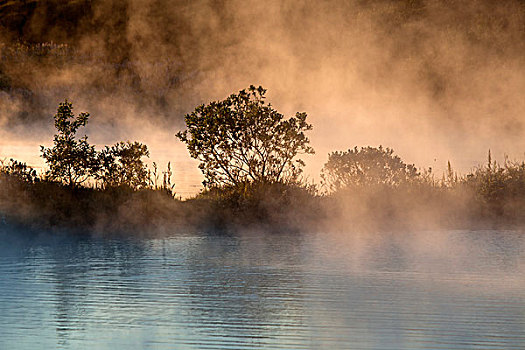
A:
x: 418, y: 290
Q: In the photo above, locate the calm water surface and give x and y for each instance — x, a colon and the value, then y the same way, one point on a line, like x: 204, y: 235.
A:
x: 422, y: 290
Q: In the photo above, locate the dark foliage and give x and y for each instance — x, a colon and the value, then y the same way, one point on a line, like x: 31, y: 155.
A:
x: 243, y: 140
x: 122, y: 165
x: 71, y: 161
x: 74, y: 161
x: 19, y: 171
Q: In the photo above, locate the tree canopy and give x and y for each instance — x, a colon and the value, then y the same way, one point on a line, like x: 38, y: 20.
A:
x: 71, y: 160
x: 122, y: 165
x: 368, y: 166
x: 242, y: 139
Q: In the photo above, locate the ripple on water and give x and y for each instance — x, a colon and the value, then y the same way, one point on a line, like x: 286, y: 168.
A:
x: 427, y: 290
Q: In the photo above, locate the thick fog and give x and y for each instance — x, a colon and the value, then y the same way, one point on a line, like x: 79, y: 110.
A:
x: 436, y: 80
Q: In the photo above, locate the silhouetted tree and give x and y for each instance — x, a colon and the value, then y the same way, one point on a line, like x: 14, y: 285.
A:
x: 122, y: 165
x: 70, y: 160
x: 244, y: 140
x: 368, y: 166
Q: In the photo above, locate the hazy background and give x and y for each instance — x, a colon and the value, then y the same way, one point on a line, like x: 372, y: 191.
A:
x: 436, y: 80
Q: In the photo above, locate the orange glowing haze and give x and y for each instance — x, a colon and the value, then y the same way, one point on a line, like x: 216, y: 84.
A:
x: 435, y: 80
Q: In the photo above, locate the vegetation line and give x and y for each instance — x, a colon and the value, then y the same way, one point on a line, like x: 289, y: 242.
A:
x: 248, y: 154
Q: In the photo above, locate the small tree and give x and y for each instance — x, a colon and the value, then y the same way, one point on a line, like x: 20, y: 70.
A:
x: 70, y: 160
x: 368, y: 166
x: 122, y: 165
x: 242, y: 139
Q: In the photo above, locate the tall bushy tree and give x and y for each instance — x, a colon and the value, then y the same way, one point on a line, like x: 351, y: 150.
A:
x: 243, y: 140
x: 71, y: 161
x: 368, y: 166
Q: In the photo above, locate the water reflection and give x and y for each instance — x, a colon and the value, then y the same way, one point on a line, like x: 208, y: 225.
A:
x: 439, y: 290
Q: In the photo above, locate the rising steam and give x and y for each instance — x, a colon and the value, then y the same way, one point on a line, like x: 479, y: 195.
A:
x: 436, y: 80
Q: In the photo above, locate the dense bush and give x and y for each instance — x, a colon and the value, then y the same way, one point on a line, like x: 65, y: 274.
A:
x: 365, y: 167
x: 242, y: 139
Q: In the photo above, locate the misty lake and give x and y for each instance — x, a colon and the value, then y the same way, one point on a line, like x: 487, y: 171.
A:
x: 418, y: 290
